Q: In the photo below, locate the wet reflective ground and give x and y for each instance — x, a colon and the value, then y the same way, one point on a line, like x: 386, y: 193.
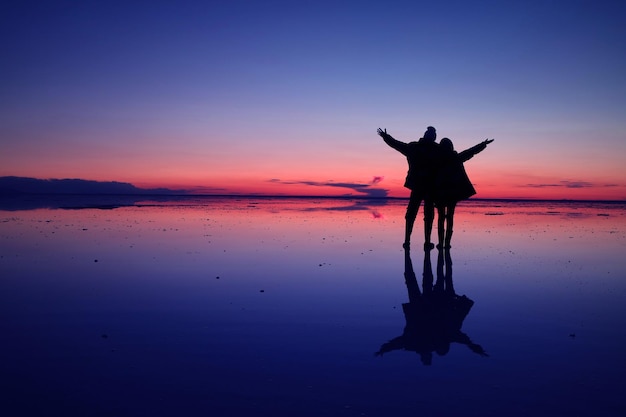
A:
x: 271, y: 307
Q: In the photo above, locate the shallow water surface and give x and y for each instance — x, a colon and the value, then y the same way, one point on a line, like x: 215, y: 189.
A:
x: 252, y: 306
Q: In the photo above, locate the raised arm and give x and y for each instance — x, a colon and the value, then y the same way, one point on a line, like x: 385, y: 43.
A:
x: 469, y: 153
x: 394, y: 143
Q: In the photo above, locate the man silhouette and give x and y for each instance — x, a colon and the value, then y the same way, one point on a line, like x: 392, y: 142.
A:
x: 422, y: 157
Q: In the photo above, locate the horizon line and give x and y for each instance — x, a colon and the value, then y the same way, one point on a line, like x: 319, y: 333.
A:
x: 278, y: 196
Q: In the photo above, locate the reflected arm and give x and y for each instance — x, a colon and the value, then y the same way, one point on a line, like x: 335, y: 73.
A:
x: 464, y: 339
x: 394, y: 344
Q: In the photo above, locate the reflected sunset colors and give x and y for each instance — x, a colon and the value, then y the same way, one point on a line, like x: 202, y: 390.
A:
x: 235, y: 305
x: 298, y: 242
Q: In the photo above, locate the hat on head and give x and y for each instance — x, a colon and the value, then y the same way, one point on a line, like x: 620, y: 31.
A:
x: 430, y: 134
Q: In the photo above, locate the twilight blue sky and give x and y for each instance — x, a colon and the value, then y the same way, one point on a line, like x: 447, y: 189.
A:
x: 233, y: 96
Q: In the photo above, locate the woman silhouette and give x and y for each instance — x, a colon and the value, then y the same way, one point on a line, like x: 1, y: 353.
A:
x: 452, y: 185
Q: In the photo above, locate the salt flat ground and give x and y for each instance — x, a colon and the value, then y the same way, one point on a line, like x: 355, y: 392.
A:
x: 301, y: 307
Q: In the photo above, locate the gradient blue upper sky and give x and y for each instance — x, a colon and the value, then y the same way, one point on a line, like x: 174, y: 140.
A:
x: 240, y: 96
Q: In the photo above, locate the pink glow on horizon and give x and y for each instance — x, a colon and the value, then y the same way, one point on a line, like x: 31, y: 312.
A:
x: 487, y: 186
x: 507, y: 169
x: 552, y: 191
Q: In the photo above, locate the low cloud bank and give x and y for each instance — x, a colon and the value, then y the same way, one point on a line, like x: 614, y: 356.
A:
x: 362, y: 188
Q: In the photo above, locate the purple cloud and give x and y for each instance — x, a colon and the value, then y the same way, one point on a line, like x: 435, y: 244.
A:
x: 564, y: 184
x: 365, y: 189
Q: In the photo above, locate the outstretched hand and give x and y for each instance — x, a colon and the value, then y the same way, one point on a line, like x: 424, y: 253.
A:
x: 382, y: 133
x: 488, y: 141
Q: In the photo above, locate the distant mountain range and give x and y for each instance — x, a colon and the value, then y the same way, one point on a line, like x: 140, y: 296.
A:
x: 23, y: 185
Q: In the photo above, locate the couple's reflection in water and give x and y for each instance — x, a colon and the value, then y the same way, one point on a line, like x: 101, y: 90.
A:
x: 434, y: 316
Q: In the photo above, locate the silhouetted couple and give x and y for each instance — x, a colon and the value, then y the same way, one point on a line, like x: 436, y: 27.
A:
x: 437, y: 177
x: 434, y: 316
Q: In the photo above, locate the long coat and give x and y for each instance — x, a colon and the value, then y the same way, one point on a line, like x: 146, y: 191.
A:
x: 452, y: 183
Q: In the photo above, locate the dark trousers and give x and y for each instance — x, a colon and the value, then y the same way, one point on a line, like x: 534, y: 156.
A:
x: 411, y: 214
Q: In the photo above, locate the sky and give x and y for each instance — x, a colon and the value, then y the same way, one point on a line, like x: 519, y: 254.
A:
x: 284, y: 97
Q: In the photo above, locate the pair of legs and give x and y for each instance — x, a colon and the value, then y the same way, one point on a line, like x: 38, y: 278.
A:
x: 411, y: 214
x: 445, y: 222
